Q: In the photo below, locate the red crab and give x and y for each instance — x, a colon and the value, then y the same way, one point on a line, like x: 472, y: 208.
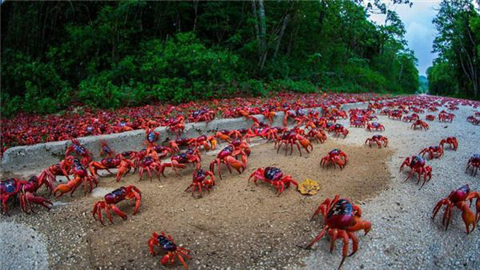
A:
x: 433, y: 152
x: 168, y: 245
x: 395, y: 114
x: 255, y: 132
x: 201, y: 115
x: 474, y: 163
x: 411, y: 118
x: 430, y: 117
x: 359, y: 122
x: 228, y: 135
x: 104, y: 164
x: 174, y: 144
x: 375, y: 126
x: 49, y: 175
x: 25, y: 191
x: 274, y: 176
x: 318, y: 135
x: 269, y: 114
x: 79, y: 150
x: 208, y: 142
x: 80, y: 174
x: 271, y: 133
x: 150, y: 164
x: 459, y: 198
x: 338, y: 113
x: 202, y: 179
x: 105, y: 150
x: 239, y: 145
x: 342, y: 219
x: 124, y: 167
x: 228, y: 156
x: 176, y: 125
x: 417, y: 165
x: 298, y: 115
x: 151, y: 137
x: 131, y: 155
x: 160, y: 151
x: 111, y: 199
x: 317, y: 123
x: 290, y: 138
x: 179, y: 161
x: 339, y: 129
x: 421, y: 124
x: 444, y: 116
x: 452, y: 141
x: 378, y: 139
x: 417, y: 110
x: 336, y: 157
x: 122, y: 126
x: 473, y: 120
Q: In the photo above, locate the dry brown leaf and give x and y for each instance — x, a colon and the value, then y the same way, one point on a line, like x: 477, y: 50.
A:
x: 309, y: 187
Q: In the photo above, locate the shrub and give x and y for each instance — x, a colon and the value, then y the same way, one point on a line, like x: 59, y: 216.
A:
x: 253, y: 87
x: 186, y: 67
x: 294, y: 86
x: 99, y: 91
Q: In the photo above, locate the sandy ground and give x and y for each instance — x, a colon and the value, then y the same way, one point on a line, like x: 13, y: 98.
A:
x: 237, y: 225
x: 240, y: 226
x: 403, y: 234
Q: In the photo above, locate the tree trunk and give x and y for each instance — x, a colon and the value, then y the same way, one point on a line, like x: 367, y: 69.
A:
x: 195, y: 8
x: 401, y: 71
x: 293, y: 34
x: 280, y: 36
x: 263, y: 33
x: 257, y: 30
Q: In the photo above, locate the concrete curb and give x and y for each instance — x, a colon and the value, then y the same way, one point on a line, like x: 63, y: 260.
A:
x: 34, y: 158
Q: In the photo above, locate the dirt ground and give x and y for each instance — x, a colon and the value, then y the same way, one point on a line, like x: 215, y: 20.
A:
x: 235, y: 226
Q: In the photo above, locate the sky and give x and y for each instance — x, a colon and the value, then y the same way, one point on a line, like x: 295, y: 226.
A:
x: 420, y: 29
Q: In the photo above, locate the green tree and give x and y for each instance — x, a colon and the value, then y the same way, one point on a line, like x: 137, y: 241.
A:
x: 110, y: 54
x: 457, y: 45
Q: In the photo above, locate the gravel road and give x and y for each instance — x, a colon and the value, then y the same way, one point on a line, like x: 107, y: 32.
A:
x: 403, y: 235
x: 22, y: 247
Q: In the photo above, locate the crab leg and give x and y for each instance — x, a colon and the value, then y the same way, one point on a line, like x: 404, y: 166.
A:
x: 98, y: 210
x: 317, y: 238
x: 447, y: 216
x: 107, y: 212
x: 138, y: 198
x: 30, y: 197
x: 280, y: 188
x: 467, y: 216
x: 354, y: 243
x: 299, y: 150
x: 345, y: 247
x: 118, y: 212
x: 333, y: 237
x: 180, y: 258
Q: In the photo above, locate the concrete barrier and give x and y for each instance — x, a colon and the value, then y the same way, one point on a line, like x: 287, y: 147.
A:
x: 34, y: 158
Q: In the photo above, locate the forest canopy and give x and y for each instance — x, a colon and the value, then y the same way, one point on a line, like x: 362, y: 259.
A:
x: 111, y: 54
x: 456, y: 69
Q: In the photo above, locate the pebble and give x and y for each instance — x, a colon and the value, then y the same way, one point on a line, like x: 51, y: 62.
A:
x: 400, y: 216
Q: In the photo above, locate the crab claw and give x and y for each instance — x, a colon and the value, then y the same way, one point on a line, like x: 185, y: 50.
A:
x: 236, y: 164
x: 478, y: 210
x: 65, y: 188
x: 62, y: 188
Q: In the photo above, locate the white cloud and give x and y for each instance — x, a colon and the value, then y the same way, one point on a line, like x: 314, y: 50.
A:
x: 420, y: 29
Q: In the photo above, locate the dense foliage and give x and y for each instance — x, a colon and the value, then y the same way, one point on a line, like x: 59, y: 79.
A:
x: 456, y: 70
x: 111, y: 54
